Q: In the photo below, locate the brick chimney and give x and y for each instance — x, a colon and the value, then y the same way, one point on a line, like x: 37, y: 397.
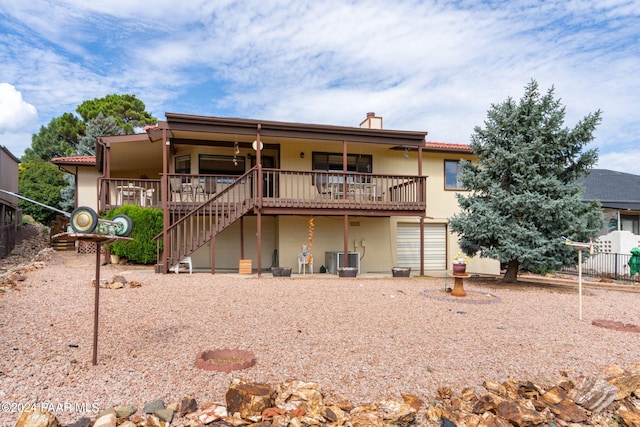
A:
x: 372, y: 122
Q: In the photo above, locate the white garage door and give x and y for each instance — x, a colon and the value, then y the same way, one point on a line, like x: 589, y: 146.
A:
x: 435, y: 246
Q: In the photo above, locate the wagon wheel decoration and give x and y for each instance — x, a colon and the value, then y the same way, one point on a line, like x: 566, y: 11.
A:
x: 83, y: 220
x: 123, y: 225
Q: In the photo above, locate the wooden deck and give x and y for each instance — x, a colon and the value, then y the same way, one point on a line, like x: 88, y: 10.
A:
x: 283, y: 193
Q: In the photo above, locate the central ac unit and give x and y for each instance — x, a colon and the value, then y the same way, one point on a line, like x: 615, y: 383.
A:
x: 335, y: 260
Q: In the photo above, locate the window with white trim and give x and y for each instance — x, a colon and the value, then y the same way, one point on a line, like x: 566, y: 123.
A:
x: 452, y: 173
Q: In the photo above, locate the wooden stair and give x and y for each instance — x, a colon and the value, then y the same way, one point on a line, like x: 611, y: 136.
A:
x: 201, y: 224
x: 58, y: 226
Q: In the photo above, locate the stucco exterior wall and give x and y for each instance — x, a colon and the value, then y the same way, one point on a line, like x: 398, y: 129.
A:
x: 87, y: 181
x: 228, y: 245
x: 328, y: 236
x: 442, y: 204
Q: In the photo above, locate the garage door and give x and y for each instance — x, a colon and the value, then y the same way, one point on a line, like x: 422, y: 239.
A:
x: 435, y: 246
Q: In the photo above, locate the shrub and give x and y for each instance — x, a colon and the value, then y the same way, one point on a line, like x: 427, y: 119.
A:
x: 147, y: 223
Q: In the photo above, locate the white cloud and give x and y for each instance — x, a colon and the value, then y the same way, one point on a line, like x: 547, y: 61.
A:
x: 422, y: 65
x: 620, y: 161
x: 15, y: 114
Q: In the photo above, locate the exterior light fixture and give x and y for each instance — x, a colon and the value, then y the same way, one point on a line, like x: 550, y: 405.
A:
x: 254, y: 145
x: 302, y: 154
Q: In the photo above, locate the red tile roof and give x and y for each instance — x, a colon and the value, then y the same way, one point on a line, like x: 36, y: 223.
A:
x: 447, y: 146
x: 75, y: 160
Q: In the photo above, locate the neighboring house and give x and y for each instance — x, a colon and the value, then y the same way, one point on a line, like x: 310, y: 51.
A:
x: 10, y: 215
x: 240, y: 189
x: 619, y: 194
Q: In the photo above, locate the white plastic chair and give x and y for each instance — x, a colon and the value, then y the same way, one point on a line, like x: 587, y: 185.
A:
x: 304, y: 259
x: 186, y: 261
x: 148, y: 197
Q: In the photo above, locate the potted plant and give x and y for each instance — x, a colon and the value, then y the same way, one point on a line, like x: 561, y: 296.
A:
x: 460, y: 263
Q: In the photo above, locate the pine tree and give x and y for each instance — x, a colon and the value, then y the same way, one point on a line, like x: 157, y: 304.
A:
x: 523, y: 191
x: 100, y: 126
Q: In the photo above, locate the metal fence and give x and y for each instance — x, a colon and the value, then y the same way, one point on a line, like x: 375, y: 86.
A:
x: 605, y: 266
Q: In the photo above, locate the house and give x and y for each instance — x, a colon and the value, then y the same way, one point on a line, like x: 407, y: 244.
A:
x: 619, y: 195
x: 243, y: 189
x: 83, y: 168
x: 10, y: 215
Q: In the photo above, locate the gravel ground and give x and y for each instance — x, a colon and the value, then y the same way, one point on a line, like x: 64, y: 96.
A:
x: 363, y: 338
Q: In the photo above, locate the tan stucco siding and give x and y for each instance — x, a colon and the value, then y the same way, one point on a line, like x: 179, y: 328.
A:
x: 87, y: 181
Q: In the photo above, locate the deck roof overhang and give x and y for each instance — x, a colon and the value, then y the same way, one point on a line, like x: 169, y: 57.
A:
x: 189, y: 127
x: 134, y: 152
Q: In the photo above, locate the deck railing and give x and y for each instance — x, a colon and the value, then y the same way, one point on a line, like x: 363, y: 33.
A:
x: 279, y: 189
x: 116, y: 192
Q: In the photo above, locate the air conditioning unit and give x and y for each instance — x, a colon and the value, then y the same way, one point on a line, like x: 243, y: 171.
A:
x: 335, y: 260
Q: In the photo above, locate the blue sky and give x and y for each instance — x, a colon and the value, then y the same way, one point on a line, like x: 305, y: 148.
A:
x: 434, y: 66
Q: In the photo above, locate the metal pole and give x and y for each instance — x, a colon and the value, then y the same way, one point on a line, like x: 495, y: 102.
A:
x: 96, y: 299
x: 580, y: 282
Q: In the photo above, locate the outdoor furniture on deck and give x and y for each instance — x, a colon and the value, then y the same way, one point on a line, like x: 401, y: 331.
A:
x: 148, y: 197
x: 131, y: 194
x: 205, y: 188
x: 181, y: 190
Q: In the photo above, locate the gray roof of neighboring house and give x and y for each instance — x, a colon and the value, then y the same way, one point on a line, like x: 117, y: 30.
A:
x: 616, y: 190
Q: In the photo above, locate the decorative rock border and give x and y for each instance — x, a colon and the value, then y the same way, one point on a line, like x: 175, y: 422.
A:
x: 616, y: 326
x: 225, y: 360
x: 472, y: 297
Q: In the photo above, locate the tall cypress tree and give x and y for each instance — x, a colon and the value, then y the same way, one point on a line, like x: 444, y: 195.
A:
x: 523, y: 190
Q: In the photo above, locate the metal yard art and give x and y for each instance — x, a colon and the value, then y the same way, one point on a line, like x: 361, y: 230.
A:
x: 579, y: 246
x: 84, y: 220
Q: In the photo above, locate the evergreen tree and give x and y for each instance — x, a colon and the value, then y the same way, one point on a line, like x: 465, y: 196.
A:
x: 127, y: 110
x: 523, y: 191
x: 68, y: 193
x: 99, y: 126
x: 58, y: 139
x: 41, y: 181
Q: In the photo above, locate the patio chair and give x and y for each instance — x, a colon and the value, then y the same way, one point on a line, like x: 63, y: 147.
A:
x: 305, y: 259
x: 148, y: 196
x: 177, y: 190
x: 184, y: 261
x: 323, y: 187
x: 206, y: 189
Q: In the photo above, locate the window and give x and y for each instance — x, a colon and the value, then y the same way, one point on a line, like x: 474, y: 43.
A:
x: 452, y: 172
x: 630, y: 223
x: 220, y: 165
x: 183, y: 164
x: 333, y: 162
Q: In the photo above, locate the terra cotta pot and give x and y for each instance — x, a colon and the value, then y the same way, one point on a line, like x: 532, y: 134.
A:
x: 459, y: 268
